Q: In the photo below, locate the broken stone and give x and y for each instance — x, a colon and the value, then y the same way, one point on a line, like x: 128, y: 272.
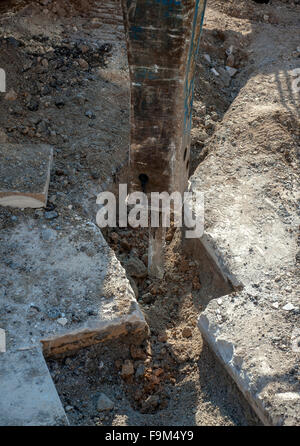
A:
x: 162, y: 337
x: 83, y: 64
x: 150, y: 404
x: 62, y: 321
x: 24, y: 175
x: 207, y: 58
x: 3, y: 136
x: 11, y: 95
x: 53, y: 313
x: 229, y: 50
x: 118, y: 364
x: 147, y: 298
x: 127, y: 369
x: 226, y: 78
x: 137, y: 352
x: 90, y: 114
x: 50, y: 215
x: 125, y: 245
x: 114, y: 236
x: 214, y: 71
x: 231, y: 71
x: 140, y: 371
x: 104, y: 403
x: 136, y: 268
x: 230, y: 60
x: 187, y: 332
x: 69, y: 408
x: 288, y: 307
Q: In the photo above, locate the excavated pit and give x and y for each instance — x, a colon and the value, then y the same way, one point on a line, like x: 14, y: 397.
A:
x: 172, y: 378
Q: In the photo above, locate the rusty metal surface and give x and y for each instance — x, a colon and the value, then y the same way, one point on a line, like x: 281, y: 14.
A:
x: 162, y: 40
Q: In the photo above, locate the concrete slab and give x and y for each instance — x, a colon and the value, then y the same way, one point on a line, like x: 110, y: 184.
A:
x: 28, y: 395
x: 24, y: 174
x: 249, y: 180
x: 61, y: 288
x: 64, y: 287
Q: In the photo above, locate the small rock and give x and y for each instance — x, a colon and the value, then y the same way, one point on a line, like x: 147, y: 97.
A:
x: 127, y: 369
x: 53, y: 313
x: 136, y: 268
x: 187, y: 332
x: 207, y: 58
x: 90, y: 114
x: 59, y: 103
x: 229, y: 50
x: 226, y: 78
x: 137, y: 352
x: 69, y: 408
x: 230, y: 60
x: 83, y: 64
x: 162, y: 337
x: 33, y: 105
x: 125, y: 245
x: 104, y: 403
x: 51, y: 215
x: 150, y: 403
x: 118, y: 364
x: 140, y: 371
x: 45, y: 63
x: 62, y: 321
x: 147, y: 298
x: 275, y: 305
x: 42, y: 127
x: 114, y: 236
x: 288, y: 307
x: 231, y: 71
x: 214, y: 71
x: 11, y: 95
x: 3, y: 136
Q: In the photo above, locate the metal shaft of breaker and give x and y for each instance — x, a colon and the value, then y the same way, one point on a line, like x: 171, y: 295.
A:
x: 162, y: 39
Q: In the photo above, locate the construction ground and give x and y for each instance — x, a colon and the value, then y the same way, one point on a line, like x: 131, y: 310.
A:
x: 86, y: 337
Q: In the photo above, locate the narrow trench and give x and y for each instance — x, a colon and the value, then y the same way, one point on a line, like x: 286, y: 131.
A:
x: 173, y: 377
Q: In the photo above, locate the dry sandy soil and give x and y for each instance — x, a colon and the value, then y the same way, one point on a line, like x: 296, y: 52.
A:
x: 68, y: 86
